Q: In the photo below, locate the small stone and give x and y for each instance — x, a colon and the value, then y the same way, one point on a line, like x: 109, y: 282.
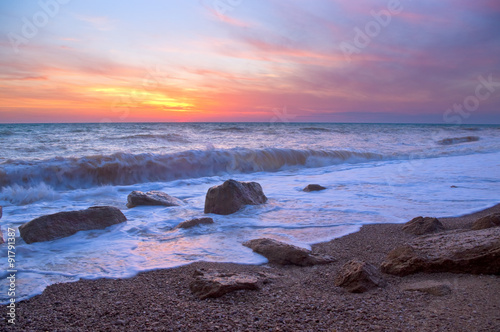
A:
x: 421, y: 225
x: 137, y: 198
x: 313, y: 187
x: 429, y: 287
x: 215, y: 284
x: 195, y: 222
x: 358, y: 277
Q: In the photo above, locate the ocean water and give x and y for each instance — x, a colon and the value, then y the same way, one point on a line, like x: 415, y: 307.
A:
x: 374, y: 173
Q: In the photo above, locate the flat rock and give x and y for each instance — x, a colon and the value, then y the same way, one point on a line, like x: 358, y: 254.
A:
x: 476, y: 252
x: 358, y: 277
x: 215, y: 284
x: 232, y: 195
x: 313, y: 187
x: 137, y: 198
x: 62, y: 224
x: 492, y: 220
x: 428, y: 286
x: 286, y: 254
x: 456, y: 140
x: 195, y: 222
x: 421, y: 225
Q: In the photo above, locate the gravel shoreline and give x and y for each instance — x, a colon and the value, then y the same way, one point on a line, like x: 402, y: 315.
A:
x: 295, y: 298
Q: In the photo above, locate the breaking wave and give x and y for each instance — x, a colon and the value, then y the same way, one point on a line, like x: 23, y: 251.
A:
x: 126, y: 169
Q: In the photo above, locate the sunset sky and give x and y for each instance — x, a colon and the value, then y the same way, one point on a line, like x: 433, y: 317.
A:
x: 250, y: 60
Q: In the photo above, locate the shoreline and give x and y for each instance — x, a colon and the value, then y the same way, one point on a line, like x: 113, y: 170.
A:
x: 295, y: 298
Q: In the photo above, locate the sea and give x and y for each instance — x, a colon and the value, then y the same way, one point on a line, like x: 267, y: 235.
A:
x: 374, y: 173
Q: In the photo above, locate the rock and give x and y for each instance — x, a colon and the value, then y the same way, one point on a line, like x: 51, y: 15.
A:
x: 429, y: 287
x: 492, y: 220
x: 358, y: 277
x: 232, y: 195
x: 215, y: 284
x: 313, y: 187
x: 421, y: 225
x: 195, y: 222
x: 286, y: 254
x: 136, y: 198
x: 62, y: 224
x: 476, y: 252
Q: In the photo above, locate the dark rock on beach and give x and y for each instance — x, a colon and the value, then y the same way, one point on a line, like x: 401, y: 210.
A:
x: 313, y: 187
x: 215, y: 284
x: 358, y: 277
x: 492, y: 220
x: 62, y: 224
x: 286, y: 254
x: 195, y: 222
x: 476, y: 252
x: 421, y: 225
x: 137, y: 198
x: 232, y: 195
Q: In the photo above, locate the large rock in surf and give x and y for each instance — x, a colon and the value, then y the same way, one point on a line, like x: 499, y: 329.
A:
x: 286, y: 254
x: 358, y: 277
x: 421, y: 225
x: 232, y: 195
x: 136, y: 198
x: 492, y: 220
x: 313, y: 187
x: 215, y: 284
x: 476, y: 252
x: 62, y: 224
x: 195, y: 222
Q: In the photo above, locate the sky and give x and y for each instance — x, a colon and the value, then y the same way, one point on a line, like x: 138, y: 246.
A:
x: 388, y: 61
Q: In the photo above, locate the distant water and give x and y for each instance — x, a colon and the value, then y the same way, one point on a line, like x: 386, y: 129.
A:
x: 374, y: 173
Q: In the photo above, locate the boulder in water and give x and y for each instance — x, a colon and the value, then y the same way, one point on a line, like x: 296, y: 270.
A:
x: 137, y: 198
x: 195, y: 222
x: 232, y: 195
x: 313, y: 187
x: 62, y: 224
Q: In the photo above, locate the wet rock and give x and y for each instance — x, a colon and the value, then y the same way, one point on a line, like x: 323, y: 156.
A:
x: 195, y: 222
x: 358, y: 277
x: 232, y: 195
x: 492, y: 220
x: 476, y: 252
x: 286, y: 254
x: 421, y: 225
x: 428, y: 286
x: 62, y: 224
x: 137, y: 198
x: 313, y: 187
x: 215, y: 284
